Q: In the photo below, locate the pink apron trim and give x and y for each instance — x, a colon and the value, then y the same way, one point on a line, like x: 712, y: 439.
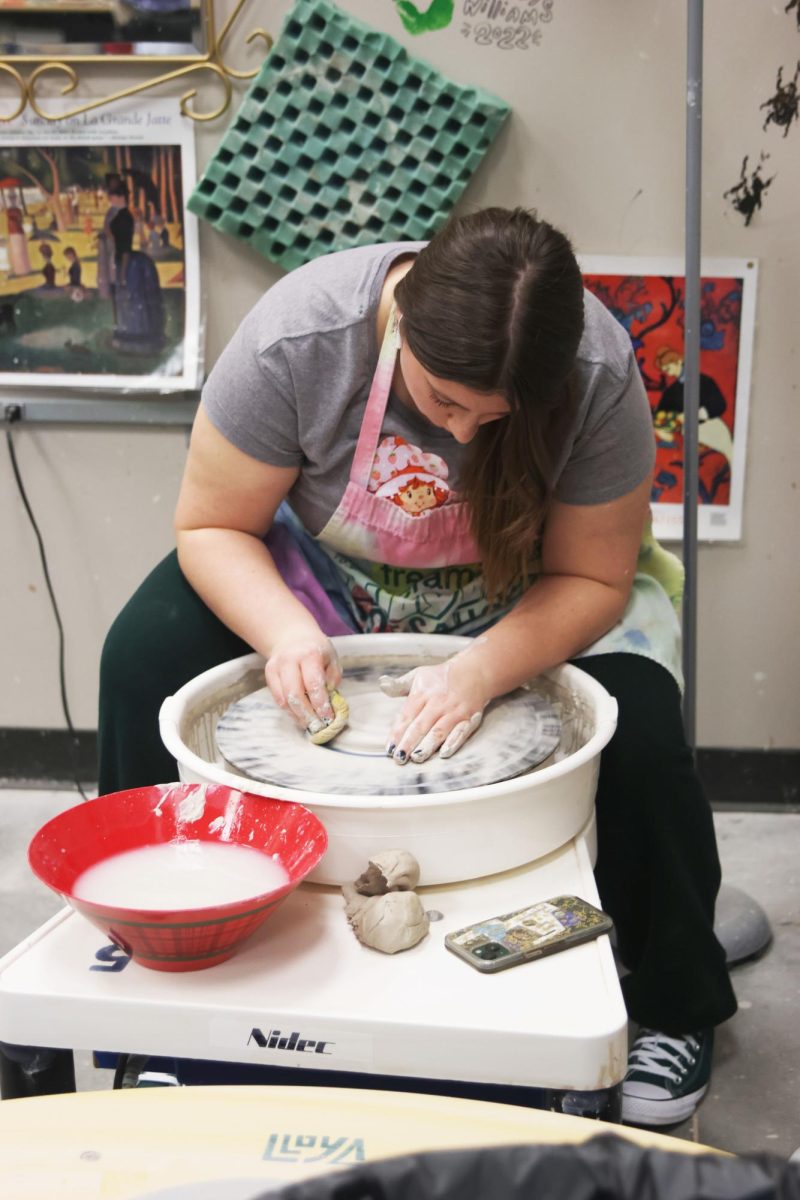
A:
x: 372, y: 422
x: 372, y: 527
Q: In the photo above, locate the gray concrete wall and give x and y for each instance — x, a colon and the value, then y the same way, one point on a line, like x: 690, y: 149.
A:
x: 596, y: 143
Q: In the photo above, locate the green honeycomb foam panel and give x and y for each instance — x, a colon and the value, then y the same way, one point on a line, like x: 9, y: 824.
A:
x: 343, y: 139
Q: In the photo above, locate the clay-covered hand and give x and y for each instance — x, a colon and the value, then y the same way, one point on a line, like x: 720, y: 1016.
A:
x: 444, y: 707
x: 301, y: 672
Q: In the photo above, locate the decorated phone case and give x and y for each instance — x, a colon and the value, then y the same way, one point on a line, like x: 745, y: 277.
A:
x: 528, y: 933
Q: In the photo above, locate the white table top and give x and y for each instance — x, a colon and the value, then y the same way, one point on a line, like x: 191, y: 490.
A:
x: 558, y: 1023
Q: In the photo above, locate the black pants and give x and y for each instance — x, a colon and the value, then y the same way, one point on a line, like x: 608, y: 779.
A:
x: 657, y: 867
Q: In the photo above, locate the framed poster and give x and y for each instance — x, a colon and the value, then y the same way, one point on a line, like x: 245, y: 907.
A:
x: 99, y: 267
x: 646, y: 295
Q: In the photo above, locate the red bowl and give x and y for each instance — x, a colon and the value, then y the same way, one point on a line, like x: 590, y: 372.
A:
x: 187, y: 939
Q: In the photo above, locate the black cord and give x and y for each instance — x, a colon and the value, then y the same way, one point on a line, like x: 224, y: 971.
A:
x: 12, y: 415
x: 119, y: 1073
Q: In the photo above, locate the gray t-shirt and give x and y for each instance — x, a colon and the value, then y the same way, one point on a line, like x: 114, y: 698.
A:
x: 291, y: 387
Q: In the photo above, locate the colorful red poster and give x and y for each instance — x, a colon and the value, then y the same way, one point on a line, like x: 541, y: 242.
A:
x: 647, y: 298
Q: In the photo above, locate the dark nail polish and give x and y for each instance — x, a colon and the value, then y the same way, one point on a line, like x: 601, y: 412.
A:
x: 401, y: 756
x: 390, y: 749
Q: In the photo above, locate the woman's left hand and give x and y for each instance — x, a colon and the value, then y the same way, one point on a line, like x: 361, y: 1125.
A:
x: 445, y: 706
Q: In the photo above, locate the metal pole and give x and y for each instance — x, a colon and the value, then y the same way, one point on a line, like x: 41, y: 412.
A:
x: 691, y: 360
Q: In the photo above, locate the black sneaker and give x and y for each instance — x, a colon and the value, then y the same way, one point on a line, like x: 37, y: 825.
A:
x: 667, y: 1077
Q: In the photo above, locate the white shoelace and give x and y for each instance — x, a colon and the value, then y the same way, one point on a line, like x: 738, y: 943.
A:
x: 651, y: 1053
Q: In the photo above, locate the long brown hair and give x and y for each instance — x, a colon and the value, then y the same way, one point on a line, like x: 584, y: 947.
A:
x: 495, y: 303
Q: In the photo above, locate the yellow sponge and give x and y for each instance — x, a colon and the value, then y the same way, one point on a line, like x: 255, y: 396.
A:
x: 341, y: 714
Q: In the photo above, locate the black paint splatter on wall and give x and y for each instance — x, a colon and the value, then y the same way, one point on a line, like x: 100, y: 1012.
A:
x: 745, y: 196
x: 782, y: 108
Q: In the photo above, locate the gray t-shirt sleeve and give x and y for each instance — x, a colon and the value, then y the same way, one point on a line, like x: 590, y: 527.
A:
x: 246, y: 399
x: 612, y: 448
x: 615, y: 448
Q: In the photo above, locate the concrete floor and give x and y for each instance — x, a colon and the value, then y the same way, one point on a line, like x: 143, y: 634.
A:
x: 753, y: 1105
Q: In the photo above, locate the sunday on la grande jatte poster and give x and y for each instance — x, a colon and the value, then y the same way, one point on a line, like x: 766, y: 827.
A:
x: 99, y: 277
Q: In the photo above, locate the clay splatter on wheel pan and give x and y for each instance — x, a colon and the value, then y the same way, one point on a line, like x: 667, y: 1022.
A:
x: 518, y: 732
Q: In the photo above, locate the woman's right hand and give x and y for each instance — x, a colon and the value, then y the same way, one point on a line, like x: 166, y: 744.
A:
x: 300, y: 672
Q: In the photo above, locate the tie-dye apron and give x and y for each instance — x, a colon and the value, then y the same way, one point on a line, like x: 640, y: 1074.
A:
x: 419, y: 571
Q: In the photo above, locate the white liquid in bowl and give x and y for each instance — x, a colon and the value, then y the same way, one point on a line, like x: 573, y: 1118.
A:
x: 179, y: 875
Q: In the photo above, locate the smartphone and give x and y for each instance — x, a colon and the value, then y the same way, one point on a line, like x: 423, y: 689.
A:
x: 528, y: 933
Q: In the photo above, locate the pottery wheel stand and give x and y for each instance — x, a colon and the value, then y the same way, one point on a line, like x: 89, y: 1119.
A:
x: 304, y: 1002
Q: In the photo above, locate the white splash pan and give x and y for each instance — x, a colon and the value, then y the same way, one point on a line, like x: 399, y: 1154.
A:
x: 454, y: 835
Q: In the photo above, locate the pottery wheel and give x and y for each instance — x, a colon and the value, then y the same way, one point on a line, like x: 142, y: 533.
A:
x: 518, y: 732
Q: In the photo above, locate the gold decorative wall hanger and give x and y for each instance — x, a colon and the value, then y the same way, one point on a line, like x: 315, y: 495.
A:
x: 180, y: 35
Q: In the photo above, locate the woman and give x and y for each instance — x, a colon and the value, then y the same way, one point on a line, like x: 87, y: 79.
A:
x: 17, y: 238
x: 500, y: 379
x: 136, y: 291
x: 48, y: 270
x: 74, y: 274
